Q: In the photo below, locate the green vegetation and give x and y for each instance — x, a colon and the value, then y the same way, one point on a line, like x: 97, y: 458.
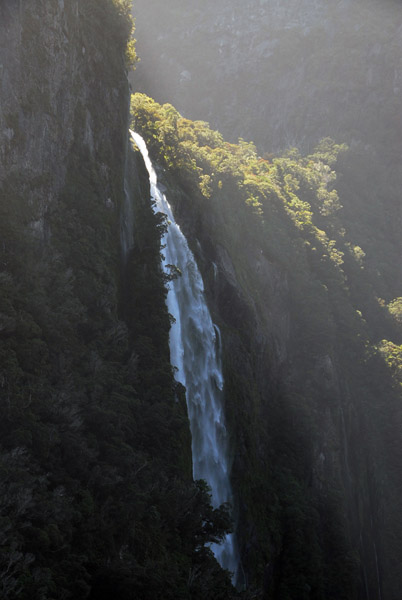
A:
x: 314, y: 412
x: 124, y: 24
x: 97, y: 498
x: 96, y: 495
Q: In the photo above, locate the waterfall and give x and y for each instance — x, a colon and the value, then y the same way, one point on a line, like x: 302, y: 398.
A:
x: 195, y: 351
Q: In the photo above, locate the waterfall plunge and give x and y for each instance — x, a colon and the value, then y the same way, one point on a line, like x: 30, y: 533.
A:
x: 195, y: 351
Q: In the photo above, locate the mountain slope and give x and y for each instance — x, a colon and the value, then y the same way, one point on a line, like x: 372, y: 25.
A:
x: 313, y: 409
x: 97, y: 499
x: 288, y: 74
x: 96, y: 495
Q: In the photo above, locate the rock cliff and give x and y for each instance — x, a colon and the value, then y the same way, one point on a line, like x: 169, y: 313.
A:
x: 281, y: 74
x: 57, y: 62
x: 96, y: 496
x: 288, y: 74
x: 313, y: 412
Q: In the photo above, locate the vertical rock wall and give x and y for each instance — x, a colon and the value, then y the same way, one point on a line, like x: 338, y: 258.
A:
x: 62, y: 85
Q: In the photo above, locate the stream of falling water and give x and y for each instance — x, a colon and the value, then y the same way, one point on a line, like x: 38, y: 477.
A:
x: 195, y: 351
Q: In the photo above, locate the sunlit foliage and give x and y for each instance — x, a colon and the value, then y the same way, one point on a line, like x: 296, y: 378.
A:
x: 303, y: 185
x: 325, y: 408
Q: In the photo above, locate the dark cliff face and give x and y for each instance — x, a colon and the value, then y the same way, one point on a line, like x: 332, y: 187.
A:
x: 288, y: 74
x: 63, y: 87
x: 63, y: 142
x: 279, y: 74
x: 304, y: 405
x: 318, y: 479
x: 96, y: 495
x: 288, y: 441
x: 312, y: 409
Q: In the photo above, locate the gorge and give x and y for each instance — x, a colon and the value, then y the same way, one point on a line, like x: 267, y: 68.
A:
x: 293, y: 260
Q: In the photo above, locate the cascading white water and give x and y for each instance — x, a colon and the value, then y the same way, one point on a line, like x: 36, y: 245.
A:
x: 195, y: 351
